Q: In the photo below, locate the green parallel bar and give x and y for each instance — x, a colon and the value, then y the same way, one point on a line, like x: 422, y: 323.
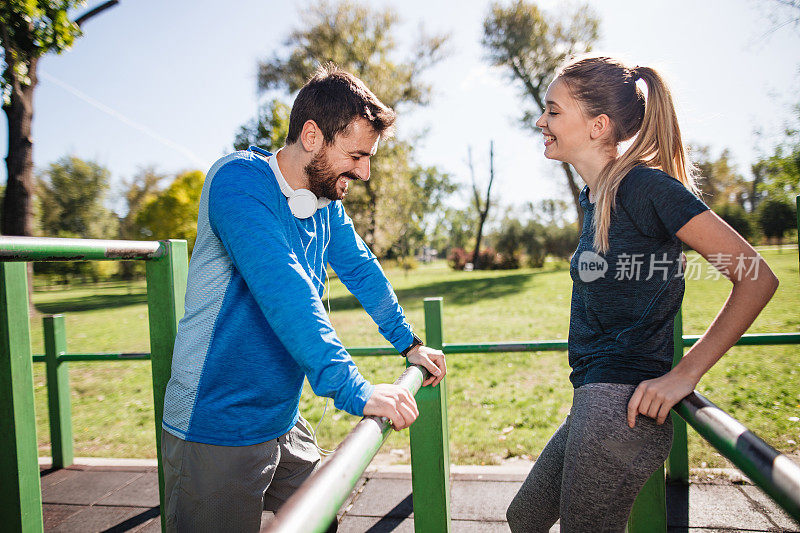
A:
x: 372, y: 351
x: 20, y: 490
x: 502, y: 347
x: 430, y: 447
x: 78, y: 357
x: 166, y: 289
x: 774, y: 473
x: 52, y: 249
x: 754, y: 339
x: 58, y: 401
x: 678, y: 460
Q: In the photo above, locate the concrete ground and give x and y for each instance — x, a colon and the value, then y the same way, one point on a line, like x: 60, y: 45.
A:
x: 120, y: 495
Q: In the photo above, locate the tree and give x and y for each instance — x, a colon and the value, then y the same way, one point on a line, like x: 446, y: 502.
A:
x: 71, y: 193
x: 481, y: 205
x: 736, y: 217
x: 173, y: 213
x: 142, y: 189
x: 361, y: 40
x: 719, y: 181
x: 29, y: 29
x: 452, y: 228
x: 531, y: 46
x: 267, y: 131
x: 775, y: 217
x: 417, y: 226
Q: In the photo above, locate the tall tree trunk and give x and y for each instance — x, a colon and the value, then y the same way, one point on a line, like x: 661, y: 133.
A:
x: 476, y: 255
x: 482, y: 207
x: 18, y: 201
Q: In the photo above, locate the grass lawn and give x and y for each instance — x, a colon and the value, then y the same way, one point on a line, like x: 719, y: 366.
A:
x: 500, y: 405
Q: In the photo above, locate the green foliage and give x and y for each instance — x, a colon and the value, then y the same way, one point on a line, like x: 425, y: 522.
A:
x: 173, y: 213
x: 267, y: 131
x: 138, y: 192
x: 718, y: 179
x: 72, y: 193
x: 392, y: 210
x: 736, y: 217
x: 452, y: 228
x: 532, y: 45
x: 30, y: 29
x: 776, y: 216
x: 361, y: 40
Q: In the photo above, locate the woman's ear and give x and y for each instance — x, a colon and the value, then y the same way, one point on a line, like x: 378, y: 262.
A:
x: 601, y: 126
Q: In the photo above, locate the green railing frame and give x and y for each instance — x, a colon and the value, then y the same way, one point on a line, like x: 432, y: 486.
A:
x: 166, y: 271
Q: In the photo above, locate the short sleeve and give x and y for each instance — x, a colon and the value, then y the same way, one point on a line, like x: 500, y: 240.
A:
x: 657, y: 204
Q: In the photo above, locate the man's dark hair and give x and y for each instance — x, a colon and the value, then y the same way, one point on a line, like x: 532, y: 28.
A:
x: 333, y: 99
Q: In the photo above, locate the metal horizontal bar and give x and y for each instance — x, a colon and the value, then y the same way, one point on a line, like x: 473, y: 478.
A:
x: 373, y: 351
x: 773, y: 472
x: 492, y: 347
x: 754, y: 339
x: 315, y: 504
x: 73, y: 357
x: 52, y: 249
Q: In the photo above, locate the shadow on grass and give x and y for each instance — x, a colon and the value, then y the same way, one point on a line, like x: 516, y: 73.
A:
x: 90, y: 303
x: 460, y: 292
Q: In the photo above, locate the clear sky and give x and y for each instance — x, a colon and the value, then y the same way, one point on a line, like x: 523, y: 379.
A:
x: 168, y: 84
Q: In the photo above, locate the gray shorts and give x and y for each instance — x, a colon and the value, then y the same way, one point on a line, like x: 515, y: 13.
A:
x: 226, y: 488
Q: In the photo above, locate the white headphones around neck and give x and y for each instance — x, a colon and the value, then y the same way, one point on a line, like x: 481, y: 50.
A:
x: 302, y: 202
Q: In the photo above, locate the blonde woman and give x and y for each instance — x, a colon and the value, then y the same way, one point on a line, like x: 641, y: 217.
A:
x: 627, y: 287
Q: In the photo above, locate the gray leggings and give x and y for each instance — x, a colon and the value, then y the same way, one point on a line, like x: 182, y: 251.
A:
x: 591, y: 470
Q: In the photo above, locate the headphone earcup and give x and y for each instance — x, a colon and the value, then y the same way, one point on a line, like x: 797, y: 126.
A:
x: 303, y: 203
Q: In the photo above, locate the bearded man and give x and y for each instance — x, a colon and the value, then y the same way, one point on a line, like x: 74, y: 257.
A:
x: 234, y: 442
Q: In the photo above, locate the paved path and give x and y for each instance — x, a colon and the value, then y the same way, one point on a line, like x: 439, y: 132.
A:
x: 123, y: 496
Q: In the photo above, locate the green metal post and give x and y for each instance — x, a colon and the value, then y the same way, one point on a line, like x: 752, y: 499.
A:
x: 649, y: 513
x: 20, y: 490
x: 678, y: 460
x: 166, y: 288
x: 58, y: 402
x: 430, y: 448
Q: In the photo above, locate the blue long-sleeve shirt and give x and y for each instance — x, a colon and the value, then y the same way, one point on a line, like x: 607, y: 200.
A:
x: 255, y: 324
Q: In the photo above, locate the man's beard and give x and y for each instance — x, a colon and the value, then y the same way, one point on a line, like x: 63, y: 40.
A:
x: 322, y: 180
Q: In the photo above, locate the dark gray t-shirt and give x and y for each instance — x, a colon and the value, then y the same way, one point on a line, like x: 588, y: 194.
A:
x: 624, y: 302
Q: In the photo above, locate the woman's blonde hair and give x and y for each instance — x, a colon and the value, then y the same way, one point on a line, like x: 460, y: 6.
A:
x: 602, y: 85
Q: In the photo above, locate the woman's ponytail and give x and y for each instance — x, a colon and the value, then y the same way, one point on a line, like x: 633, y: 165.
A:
x: 604, y: 86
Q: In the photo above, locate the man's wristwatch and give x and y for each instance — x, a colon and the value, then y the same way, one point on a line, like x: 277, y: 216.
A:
x: 416, y: 342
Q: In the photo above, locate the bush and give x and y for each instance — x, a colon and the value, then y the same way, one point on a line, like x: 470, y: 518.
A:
x: 775, y: 217
x: 490, y: 259
x: 737, y: 218
x: 458, y: 258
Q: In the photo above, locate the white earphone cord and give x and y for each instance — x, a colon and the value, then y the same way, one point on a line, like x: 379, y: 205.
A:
x: 327, y: 293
